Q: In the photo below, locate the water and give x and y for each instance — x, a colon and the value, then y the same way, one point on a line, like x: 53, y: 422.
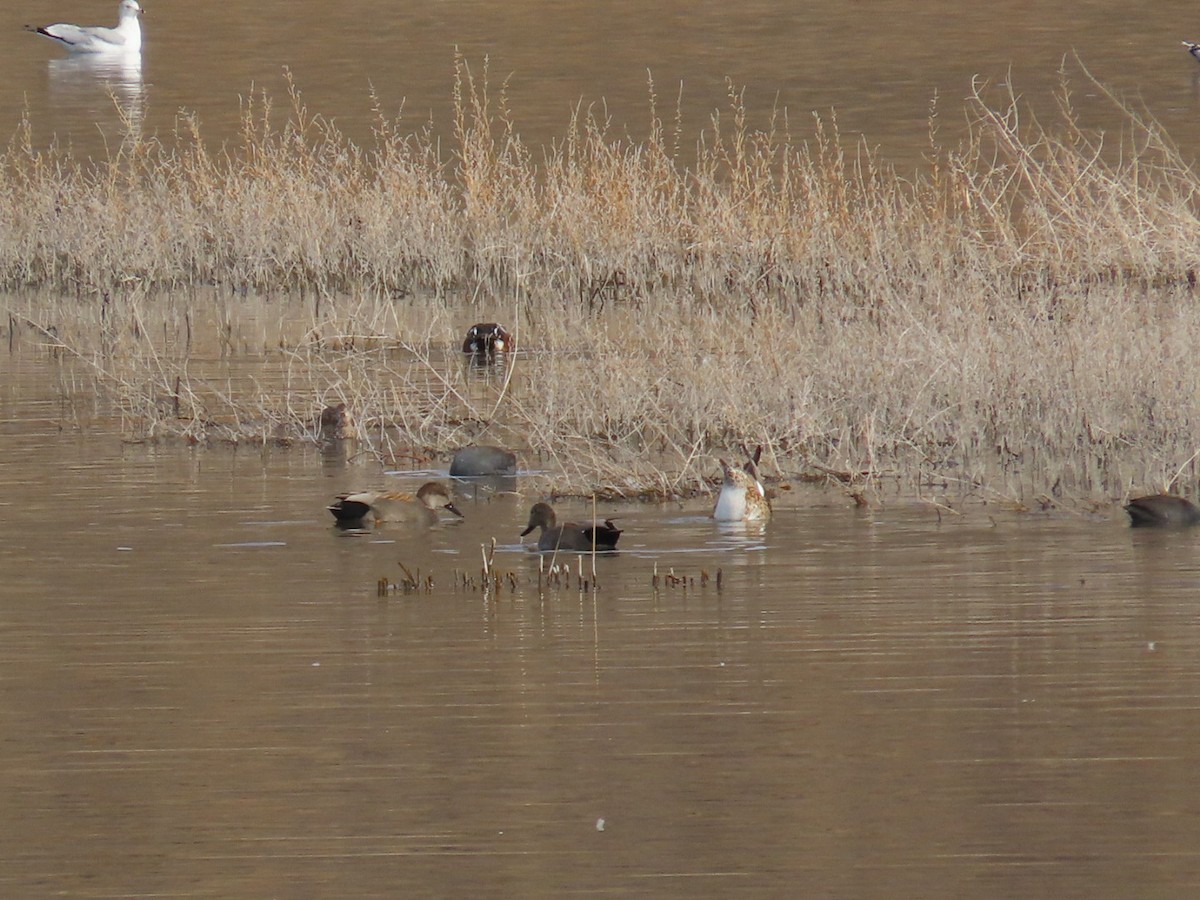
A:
x: 878, y: 64
x: 202, y: 693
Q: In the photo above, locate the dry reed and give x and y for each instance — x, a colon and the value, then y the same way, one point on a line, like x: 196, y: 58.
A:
x: 1018, y: 319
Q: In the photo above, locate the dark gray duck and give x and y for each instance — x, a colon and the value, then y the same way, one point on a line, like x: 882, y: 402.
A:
x: 1162, y: 511
x: 479, y: 461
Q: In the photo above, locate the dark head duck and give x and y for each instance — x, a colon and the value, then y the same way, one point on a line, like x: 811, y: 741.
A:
x: 570, y: 536
x: 486, y: 339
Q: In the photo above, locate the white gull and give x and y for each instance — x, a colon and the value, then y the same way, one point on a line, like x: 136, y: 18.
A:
x: 125, y: 38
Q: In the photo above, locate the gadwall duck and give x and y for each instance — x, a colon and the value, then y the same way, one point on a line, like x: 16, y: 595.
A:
x: 742, y: 497
x: 570, y: 536
x: 475, y: 462
x: 126, y: 37
x: 394, y: 506
x: 488, y: 339
x: 1162, y: 511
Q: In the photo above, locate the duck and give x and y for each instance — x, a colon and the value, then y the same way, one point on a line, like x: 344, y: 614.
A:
x: 126, y: 37
x: 570, y: 536
x: 482, y: 460
x: 488, y: 339
x: 742, y: 497
x: 1192, y: 48
x: 334, y: 422
x: 1162, y: 511
x: 394, y: 506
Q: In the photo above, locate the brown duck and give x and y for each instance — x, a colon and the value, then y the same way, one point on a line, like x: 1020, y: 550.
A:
x: 570, y: 536
x: 487, y: 339
x: 394, y: 506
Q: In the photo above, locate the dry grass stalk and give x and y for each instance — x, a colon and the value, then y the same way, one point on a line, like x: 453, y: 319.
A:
x: 1020, y: 318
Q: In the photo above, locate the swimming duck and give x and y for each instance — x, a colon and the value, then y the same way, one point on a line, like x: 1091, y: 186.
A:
x: 126, y: 37
x: 1162, y: 511
x: 742, y: 497
x: 570, y: 536
x: 473, y: 462
x: 1193, y: 49
x: 394, y: 506
x: 488, y: 339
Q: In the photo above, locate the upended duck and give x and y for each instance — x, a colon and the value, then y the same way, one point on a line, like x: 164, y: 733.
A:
x: 1162, y: 511
x: 570, y: 536
x: 742, y: 497
x: 394, y: 506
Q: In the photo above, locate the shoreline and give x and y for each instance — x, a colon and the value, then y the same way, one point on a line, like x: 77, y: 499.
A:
x: 1021, y: 321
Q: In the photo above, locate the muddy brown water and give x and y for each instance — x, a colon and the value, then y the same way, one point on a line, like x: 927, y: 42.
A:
x: 879, y: 65
x: 203, y: 694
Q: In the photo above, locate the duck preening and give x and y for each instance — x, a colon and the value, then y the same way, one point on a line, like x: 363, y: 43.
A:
x: 742, y: 497
x: 1162, y: 511
x: 570, y: 536
x: 394, y: 506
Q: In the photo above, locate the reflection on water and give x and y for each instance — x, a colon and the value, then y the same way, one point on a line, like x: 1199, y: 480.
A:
x: 477, y: 487
x: 552, y: 57
x: 89, y: 81
x: 203, y: 694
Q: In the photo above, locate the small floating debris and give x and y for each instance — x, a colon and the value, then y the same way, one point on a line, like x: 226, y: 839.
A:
x: 671, y: 580
x: 558, y: 575
x: 409, y: 584
x: 493, y: 583
x: 491, y: 579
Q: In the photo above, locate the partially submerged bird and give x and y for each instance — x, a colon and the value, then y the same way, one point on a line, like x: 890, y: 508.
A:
x: 1193, y: 49
x: 742, y: 497
x: 334, y: 422
x: 471, y: 462
x: 126, y: 37
x: 570, y: 536
x: 394, y: 506
x: 1162, y: 511
x: 488, y: 339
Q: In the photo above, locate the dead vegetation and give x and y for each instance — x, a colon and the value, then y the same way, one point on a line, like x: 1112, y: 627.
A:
x: 1019, y: 318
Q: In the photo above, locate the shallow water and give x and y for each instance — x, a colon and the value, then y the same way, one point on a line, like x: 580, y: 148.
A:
x: 878, y: 64
x: 203, y: 693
